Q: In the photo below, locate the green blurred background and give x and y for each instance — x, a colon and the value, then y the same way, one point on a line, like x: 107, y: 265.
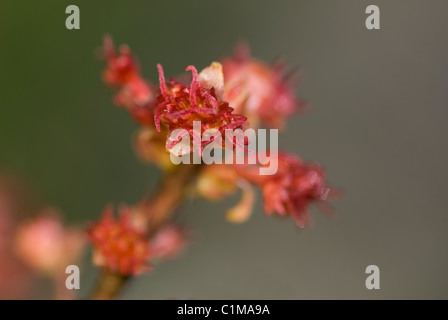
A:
x: 377, y: 123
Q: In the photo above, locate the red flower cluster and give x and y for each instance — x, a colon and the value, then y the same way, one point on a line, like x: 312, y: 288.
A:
x: 225, y: 96
x: 179, y: 105
x: 262, y: 92
x: 119, y: 245
x: 122, y: 247
x: 135, y: 94
x: 291, y: 190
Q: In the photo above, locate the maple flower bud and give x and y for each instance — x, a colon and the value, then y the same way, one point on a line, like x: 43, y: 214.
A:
x: 168, y: 242
x: 118, y: 244
x: 261, y: 92
x: 46, y: 245
x: 179, y: 106
x: 292, y: 189
x: 135, y: 93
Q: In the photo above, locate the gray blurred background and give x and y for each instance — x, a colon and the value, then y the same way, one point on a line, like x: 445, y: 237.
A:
x: 377, y: 124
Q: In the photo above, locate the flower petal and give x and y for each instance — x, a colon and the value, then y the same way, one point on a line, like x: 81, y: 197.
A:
x: 213, y: 77
x: 242, y: 211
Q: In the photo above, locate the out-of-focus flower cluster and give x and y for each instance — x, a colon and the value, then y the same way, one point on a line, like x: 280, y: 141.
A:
x: 264, y: 93
x: 33, y: 241
x: 46, y: 245
x: 122, y: 246
x: 292, y: 189
x: 15, y: 278
x: 237, y: 92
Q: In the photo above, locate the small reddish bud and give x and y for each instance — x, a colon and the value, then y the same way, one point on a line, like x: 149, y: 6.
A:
x: 135, y: 93
x: 168, y: 242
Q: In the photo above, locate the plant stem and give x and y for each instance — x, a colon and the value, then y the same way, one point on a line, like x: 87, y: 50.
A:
x: 153, y: 212
x: 109, y: 285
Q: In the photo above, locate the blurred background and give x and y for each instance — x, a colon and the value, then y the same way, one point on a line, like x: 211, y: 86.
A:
x: 377, y: 123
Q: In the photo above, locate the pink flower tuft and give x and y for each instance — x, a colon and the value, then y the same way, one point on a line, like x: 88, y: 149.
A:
x: 292, y: 189
x: 259, y: 91
x: 46, y: 245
